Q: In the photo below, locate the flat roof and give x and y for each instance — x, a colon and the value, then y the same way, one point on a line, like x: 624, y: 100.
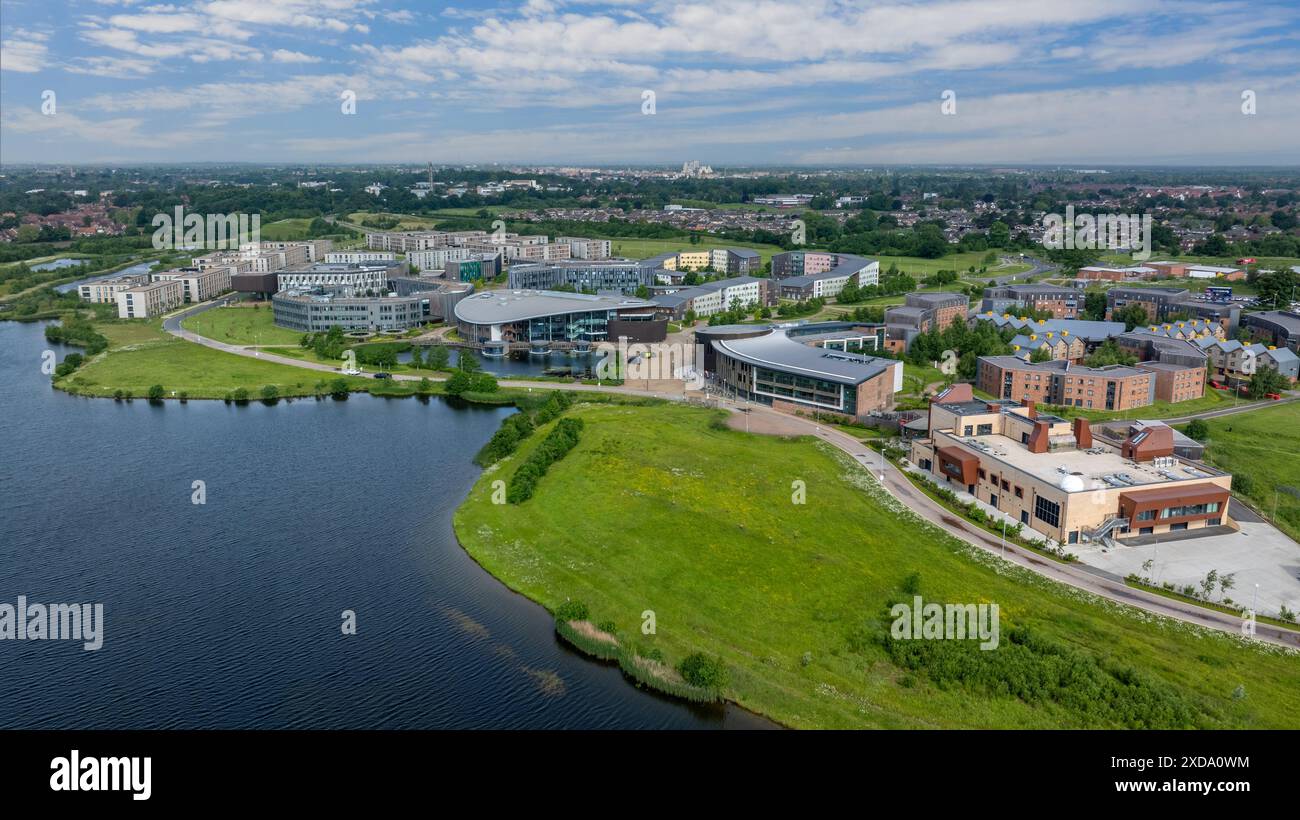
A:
x: 779, y: 352
x: 497, y: 306
x: 1090, y: 465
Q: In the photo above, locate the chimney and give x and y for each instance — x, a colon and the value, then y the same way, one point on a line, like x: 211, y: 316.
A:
x: 1031, y: 408
x: 1082, y: 433
x: 1039, y: 439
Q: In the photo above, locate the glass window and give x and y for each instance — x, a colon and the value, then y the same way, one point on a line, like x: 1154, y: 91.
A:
x: 1047, y: 511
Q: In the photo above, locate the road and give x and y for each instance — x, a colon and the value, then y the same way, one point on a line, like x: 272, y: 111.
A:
x: 898, y: 485
x: 1076, y: 575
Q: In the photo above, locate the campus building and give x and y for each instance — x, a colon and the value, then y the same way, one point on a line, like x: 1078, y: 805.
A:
x: 317, y: 309
x: 821, y: 274
x: 197, y: 285
x: 149, y: 299
x: 1055, y: 478
x: 359, y: 257
x: 104, y: 291
x: 543, y: 320
x: 1061, y: 383
x: 599, y: 276
x: 1233, y: 362
x: 714, y: 297
x: 1275, y: 327
x: 923, y: 312
x: 1063, y: 303
x: 794, y: 369
x: 1169, y: 304
x: 370, y: 276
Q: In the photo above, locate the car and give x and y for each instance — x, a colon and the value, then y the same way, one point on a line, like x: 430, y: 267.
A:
x: 351, y: 371
x: 382, y: 375
x: 1273, y: 396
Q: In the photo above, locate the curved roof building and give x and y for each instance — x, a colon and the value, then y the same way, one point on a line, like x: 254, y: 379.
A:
x: 542, y: 316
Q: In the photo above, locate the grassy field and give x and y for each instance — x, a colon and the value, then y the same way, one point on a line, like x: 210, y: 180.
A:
x: 659, y: 509
x: 407, y: 222
x: 243, y: 325
x: 1263, y: 445
x: 141, y: 354
x: 959, y: 262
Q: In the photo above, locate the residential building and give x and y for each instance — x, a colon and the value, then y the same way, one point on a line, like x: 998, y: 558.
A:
x: 370, y: 276
x: 1113, y: 387
x: 1274, y: 327
x: 818, y: 274
x: 104, y: 291
x: 1063, y: 303
x: 1176, y: 382
x: 923, y: 312
x: 1234, y: 362
x: 714, y: 297
x: 149, y: 299
x: 359, y: 257
x: 197, y: 284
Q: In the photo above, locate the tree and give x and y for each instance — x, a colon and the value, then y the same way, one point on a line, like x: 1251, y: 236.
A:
x: 1227, y: 582
x: 417, y: 357
x: 1211, y: 580
x: 1108, y: 353
x: 704, y: 671
x: 468, y: 363
x: 339, y: 389
x: 270, y: 393
x: 460, y: 382
x: 439, y: 358
x: 155, y: 392
x: 1197, y: 429
x: 1277, y: 288
x: 1132, y: 316
x: 1094, y: 306
x: 1266, y: 380
x: 1041, y: 354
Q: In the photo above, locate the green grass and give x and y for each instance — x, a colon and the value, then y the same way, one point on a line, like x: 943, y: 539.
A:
x: 141, y: 354
x: 1263, y: 445
x: 697, y: 524
x: 643, y: 248
x: 960, y: 262
x: 241, y: 326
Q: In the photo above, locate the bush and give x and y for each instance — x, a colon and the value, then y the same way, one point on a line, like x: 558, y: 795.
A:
x: 240, y: 395
x: 270, y: 393
x: 339, y: 389
x: 1197, y: 429
x: 572, y: 611
x: 557, y: 444
x: 701, y: 670
x: 155, y: 392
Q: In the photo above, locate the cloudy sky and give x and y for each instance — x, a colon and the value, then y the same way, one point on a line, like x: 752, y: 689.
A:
x: 566, y: 81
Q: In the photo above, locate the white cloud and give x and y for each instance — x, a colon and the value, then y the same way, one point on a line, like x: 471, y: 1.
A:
x: 281, y: 55
x: 24, y: 52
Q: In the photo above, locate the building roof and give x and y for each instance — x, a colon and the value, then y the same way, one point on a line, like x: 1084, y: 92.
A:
x: 1118, y: 371
x: 495, y: 307
x: 778, y: 351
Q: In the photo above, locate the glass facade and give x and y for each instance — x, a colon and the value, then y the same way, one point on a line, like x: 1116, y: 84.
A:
x: 807, y: 389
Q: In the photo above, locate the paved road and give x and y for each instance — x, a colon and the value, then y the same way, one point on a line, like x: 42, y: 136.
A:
x: 1076, y: 575
x: 1039, y: 267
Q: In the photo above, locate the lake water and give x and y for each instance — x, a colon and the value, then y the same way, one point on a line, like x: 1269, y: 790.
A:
x: 134, y: 270
x: 227, y: 614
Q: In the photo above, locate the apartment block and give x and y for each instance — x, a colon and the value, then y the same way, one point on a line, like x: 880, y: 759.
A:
x: 104, y: 291
x: 149, y: 299
x: 1114, y: 387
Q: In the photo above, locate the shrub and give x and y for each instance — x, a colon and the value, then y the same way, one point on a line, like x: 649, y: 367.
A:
x: 562, y: 438
x: 572, y: 611
x: 270, y: 393
x: 701, y: 670
x: 339, y: 389
x: 240, y: 395
x: 155, y: 392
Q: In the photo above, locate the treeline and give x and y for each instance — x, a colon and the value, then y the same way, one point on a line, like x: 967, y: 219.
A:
x: 557, y: 444
x: 74, y: 330
x: 520, y: 426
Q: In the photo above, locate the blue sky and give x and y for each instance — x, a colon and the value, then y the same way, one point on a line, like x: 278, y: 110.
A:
x: 547, y: 81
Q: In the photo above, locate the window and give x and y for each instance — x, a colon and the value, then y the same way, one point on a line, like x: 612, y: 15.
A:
x: 1146, y: 515
x: 967, y: 430
x: 1047, y: 511
x: 1020, y: 493
x: 984, y: 430
x: 982, y: 474
x: 1005, y: 485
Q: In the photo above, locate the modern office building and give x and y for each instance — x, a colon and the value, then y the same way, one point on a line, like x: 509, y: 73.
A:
x: 473, y: 267
x: 359, y: 257
x: 542, y: 320
x: 777, y: 368
x: 1275, y: 327
x: 583, y: 248
x: 319, y: 308
x: 1055, y: 478
x: 1064, y: 303
x: 600, y: 276
x: 371, y: 276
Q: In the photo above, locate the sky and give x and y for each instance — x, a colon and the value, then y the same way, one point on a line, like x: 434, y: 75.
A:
x: 766, y: 82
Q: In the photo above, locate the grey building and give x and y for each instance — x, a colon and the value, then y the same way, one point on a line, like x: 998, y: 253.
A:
x: 318, y: 309
x: 584, y: 275
x: 1275, y: 327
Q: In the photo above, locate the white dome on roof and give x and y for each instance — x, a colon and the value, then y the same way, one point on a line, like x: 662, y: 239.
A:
x: 1072, y: 483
